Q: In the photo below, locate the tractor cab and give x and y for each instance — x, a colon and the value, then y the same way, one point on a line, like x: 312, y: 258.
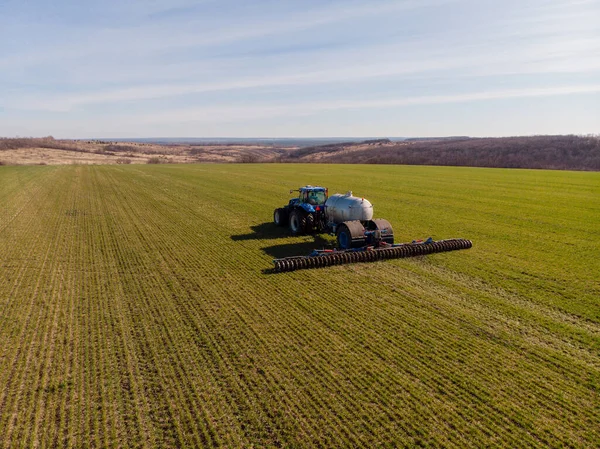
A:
x: 313, y: 196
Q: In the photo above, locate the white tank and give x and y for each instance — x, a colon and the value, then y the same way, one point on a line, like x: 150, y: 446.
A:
x: 346, y: 207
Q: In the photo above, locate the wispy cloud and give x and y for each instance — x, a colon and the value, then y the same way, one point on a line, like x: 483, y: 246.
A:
x: 532, y: 59
x: 198, y: 32
x: 228, y: 113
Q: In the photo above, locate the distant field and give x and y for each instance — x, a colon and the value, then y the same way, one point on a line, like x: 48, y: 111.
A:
x: 136, y: 311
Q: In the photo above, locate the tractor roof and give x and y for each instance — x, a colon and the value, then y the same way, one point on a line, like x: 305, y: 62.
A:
x: 312, y: 188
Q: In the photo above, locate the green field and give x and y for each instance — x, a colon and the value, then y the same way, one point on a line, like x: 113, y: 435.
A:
x: 137, y: 310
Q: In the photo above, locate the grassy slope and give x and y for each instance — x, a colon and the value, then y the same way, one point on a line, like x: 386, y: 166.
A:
x: 134, y: 311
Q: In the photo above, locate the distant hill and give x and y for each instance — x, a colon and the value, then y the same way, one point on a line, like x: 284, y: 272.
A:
x: 544, y: 152
x: 248, y: 141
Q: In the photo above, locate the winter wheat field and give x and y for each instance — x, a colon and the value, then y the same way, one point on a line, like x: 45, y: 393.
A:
x: 137, y: 310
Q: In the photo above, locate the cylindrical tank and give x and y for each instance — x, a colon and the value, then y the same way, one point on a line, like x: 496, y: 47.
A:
x: 340, y: 208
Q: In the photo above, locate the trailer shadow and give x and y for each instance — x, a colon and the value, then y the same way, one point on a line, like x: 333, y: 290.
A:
x: 268, y: 231
x: 299, y: 249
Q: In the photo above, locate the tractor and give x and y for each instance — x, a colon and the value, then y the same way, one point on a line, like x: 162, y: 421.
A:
x: 348, y: 217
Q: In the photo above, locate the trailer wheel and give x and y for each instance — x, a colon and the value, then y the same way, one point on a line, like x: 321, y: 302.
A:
x: 385, y: 228
x: 351, y: 234
x: 344, y: 237
x: 297, y: 222
x: 280, y: 217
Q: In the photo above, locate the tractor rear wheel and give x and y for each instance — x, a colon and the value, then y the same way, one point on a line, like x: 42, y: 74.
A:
x: 297, y: 222
x: 280, y: 217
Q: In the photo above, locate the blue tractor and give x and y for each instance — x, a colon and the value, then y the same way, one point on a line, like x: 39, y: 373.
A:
x: 306, y: 213
x: 348, y: 217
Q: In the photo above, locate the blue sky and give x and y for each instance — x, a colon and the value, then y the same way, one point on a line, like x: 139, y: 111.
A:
x: 233, y: 68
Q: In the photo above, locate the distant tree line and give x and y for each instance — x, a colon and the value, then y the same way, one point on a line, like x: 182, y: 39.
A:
x: 567, y: 152
x: 31, y: 142
x: 51, y: 143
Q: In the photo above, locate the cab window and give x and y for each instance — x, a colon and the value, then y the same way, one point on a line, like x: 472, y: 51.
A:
x: 315, y: 197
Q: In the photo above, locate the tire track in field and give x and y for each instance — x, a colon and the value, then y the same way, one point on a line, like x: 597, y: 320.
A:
x: 452, y: 314
x: 150, y: 357
x: 20, y: 383
x: 67, y: 361
x: 546, y: 318
x: 141, y: 236
x: 433, y: 342
x: 100, y: 421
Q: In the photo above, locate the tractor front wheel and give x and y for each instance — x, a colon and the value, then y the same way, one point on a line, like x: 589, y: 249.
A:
x: 297, y: 222
x: 280, y: 217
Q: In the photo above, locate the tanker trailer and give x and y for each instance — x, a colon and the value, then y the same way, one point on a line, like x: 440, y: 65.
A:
x: 351, y: 219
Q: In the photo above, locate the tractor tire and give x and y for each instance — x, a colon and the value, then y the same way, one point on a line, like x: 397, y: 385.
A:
x: 280, y: 217
x: 297, y: 222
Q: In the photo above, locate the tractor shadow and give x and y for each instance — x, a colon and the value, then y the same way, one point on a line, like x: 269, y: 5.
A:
x: 296, y: 249
x: 263, y: 231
